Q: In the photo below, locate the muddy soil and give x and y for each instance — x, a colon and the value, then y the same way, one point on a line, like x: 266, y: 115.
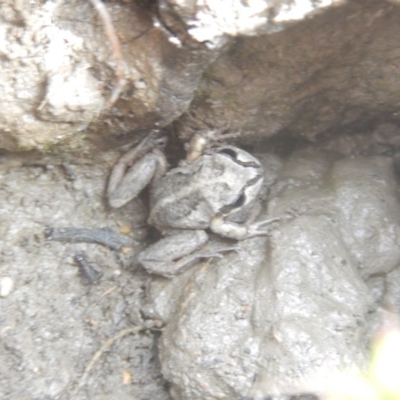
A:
x: 51, y: 323
x: 66, y: 339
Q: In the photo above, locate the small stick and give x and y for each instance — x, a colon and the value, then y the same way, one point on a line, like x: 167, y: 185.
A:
x: 105, y: 346
x: 116, y: 47
x: 104, y: 236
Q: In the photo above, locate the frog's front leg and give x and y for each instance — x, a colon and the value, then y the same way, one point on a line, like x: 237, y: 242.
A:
x: 134, y: 170
x: 243, y: 231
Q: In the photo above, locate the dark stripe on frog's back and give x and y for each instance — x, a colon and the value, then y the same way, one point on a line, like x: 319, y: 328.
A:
x: 182, y: 213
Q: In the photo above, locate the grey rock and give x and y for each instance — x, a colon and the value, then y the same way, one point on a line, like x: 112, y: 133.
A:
x: 287, y: 311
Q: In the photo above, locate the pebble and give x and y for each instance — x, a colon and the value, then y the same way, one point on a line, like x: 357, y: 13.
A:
x: 6, y: 286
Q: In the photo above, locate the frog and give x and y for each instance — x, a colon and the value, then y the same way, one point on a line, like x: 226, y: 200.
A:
x: 214, y: 190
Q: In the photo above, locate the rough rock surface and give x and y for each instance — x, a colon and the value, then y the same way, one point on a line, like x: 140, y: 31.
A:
x: 257, y: 68
x: 58, y: 67
x: 305, y: 81
x: 58, y: 70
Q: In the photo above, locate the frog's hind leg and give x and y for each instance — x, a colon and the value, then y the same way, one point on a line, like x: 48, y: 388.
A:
x: 176, y: 253
x: 163, y: 257
x: 136, y: 178
x: 134, y: 170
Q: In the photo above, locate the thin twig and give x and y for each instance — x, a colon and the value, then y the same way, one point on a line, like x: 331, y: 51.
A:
x: 116, y: 47
x: 104, y: 347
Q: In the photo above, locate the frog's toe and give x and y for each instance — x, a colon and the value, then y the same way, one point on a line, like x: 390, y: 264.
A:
x: 265, y: 227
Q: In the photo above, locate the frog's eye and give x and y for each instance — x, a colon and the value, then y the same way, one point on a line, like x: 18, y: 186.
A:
x: 239, y: 201
x: 229, y: 152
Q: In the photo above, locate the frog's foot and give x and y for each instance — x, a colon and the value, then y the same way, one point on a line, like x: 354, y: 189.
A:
x: 178, y: 267
x: 264, y: 228
x: 237, y: 231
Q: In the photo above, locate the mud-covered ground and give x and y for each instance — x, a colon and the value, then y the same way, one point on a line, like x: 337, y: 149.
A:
x: 64, y: 339
x: 51, y: 323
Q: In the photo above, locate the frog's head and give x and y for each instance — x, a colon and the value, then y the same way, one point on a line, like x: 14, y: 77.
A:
x: 248, y: 176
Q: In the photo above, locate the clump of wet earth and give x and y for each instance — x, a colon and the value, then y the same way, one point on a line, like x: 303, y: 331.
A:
x: 284, y: 312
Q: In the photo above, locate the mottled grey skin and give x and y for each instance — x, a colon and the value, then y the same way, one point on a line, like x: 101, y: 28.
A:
x: 206, y: 192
